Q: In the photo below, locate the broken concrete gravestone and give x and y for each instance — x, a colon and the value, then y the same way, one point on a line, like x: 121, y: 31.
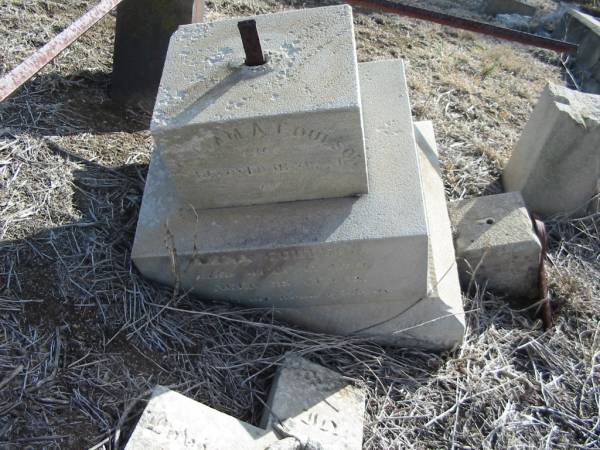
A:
x: 556, y: 162
x: 309, y: 407
x: 380, y: 265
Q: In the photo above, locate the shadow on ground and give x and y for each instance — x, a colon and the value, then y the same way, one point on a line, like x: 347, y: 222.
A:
x: 57, y: 105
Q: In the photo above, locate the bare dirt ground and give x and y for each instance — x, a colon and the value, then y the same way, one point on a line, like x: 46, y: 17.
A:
x: 83, y: 337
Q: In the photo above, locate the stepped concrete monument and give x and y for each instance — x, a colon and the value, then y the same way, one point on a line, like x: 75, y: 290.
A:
x: 340, y: 225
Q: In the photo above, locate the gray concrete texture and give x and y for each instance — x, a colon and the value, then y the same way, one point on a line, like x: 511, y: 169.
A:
x: 291, y: 129
x: 496, y: 245
x: 313, y: 402
x: 556, y: 162
x: 435, y: 321
x: 173, y: 421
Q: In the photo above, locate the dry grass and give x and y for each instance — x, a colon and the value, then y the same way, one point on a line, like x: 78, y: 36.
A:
x: 83, y: 337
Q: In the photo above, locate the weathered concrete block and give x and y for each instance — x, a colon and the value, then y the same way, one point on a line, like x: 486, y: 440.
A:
x: 314, y: 402
x: 556, y: 163
x: 584, y: 30
x: 142, y: 35
x: 173, y: 421
x: 336, y: 253
x: 494, y: 234
x: 290, y: 129
x: 495, y: 7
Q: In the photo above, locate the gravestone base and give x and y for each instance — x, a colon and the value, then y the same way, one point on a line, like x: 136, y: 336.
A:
x: 381, y: 265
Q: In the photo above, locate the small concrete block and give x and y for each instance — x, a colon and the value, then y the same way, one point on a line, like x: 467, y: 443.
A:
x: 312, y: 402
x: 173, y: 421
x: 495, y: 235
x: 495, y: 7
x: 350, y: 255
x: 556, y: 163
x: 288, y: 130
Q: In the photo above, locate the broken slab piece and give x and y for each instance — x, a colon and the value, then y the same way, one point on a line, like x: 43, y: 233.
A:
x: 556, y: 163
x: 291, y: 129
x: 313, y: 405
x: 173, y: 421
x: 309, y: 401
x: 495, y: 240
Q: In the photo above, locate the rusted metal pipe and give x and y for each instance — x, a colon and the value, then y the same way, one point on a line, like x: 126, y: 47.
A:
x: 545, y: 310
x: 32, y: 65
x: 467, y: 24
x: 251, y: 42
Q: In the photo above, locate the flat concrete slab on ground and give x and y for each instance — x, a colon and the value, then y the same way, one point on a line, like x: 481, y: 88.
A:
x: 309, y: 407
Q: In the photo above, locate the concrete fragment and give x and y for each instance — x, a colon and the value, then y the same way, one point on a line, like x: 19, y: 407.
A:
x: 556, y: 163
x: 313, y: 404
x: 334, y: 254
x: 495, y: 7
x: 290, y: 129
x: 173, y: 421
x: 583, y: 30
x: 311, y: 408
x: 142, y: 35
x: 495, y: 241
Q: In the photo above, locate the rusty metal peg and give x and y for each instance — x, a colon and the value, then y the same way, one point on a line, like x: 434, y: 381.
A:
x: 251, y: 42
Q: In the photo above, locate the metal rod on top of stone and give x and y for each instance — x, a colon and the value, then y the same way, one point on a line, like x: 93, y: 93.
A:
x: 251, y: 42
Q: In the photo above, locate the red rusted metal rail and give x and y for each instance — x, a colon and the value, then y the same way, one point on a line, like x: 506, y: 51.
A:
x: 466, y: 24
x: 32, y: 65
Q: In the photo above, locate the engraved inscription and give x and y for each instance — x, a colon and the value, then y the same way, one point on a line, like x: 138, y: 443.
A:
x: 324, y: 424
x: 304, y: 149
x: 287, y: 276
